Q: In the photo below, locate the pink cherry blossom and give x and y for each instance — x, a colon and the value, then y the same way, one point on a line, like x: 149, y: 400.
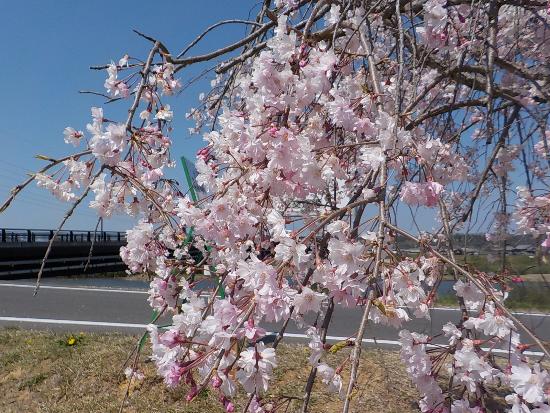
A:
x: 425, y: 194
x: 323, y: 129
x: 308, y: 300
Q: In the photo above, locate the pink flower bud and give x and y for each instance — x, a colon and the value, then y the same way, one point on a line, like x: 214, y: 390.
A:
x: 192, y: 393
x: 170, y: 338
x: 216, y: 381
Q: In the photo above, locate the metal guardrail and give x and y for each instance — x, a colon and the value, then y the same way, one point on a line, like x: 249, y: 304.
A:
x: 13, y: 235
x: 22, y: 252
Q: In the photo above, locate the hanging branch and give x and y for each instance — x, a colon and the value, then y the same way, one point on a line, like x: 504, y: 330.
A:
x: 68, y: 214
x: 504, y: 134
x: 481, y: 287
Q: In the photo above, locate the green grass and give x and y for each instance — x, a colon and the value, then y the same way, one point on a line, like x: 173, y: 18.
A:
x: 516, y: 264
x: 531, y: 295
x: 528, y: 297
x: 32, y: 382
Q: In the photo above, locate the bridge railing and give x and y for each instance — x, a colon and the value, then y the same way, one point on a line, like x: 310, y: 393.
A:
x: 11, y: 235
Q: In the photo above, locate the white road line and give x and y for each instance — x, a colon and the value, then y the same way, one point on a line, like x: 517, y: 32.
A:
x: 72, y: 322
x: 93, y: 289
x: 291, y: 335
x: 337, y: 338
x: 515, y: 313
x: 397, y: 343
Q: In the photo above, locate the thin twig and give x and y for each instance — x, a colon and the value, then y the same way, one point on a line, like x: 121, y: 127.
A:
x: 356, y: 354
x: 68, y: 214
x: 92, y: 244
x: 496, y: 149
x: 52, y: 163
x: 218, y: 24
x: 479, y: 285
x: 313, y: 371
x: 142, y: 85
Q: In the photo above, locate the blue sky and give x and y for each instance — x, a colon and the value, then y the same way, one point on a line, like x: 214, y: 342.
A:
x: 47, y: 47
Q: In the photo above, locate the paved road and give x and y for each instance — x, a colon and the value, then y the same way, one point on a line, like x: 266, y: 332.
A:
x: 121, y: 305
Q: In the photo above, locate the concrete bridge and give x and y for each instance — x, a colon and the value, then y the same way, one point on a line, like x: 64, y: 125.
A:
x: 73, y: 252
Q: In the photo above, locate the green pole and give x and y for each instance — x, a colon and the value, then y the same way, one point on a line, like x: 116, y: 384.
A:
x: 189, y: 180
x: 191, y: 191
x: 194, y: 197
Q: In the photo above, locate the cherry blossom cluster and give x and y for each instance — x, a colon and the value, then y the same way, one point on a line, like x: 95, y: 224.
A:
x: 533, y: 214
x: 314, y: 141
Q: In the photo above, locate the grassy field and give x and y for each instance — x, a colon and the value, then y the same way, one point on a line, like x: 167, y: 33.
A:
x: 532, y: 293
x: 516, y: 264
x: 526, y: 297
x: 40, y: 372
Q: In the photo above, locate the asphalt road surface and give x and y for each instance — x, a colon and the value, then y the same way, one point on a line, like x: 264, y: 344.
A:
x: 121, y: 305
